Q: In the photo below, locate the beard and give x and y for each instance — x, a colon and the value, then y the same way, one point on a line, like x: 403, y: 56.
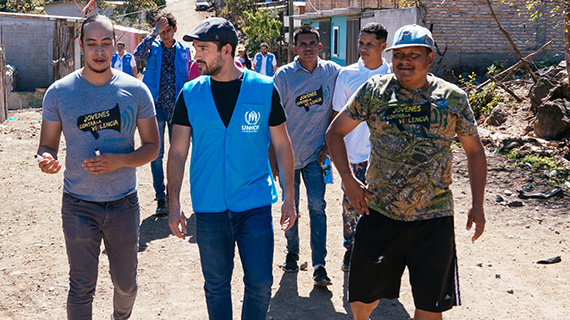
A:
x: 213, y: 69
x: 103, y: 69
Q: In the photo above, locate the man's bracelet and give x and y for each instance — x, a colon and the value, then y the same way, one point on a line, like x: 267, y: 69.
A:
x: 157, y: 33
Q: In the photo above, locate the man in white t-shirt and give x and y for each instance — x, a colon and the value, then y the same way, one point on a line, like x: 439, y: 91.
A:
x: 265, y: 62
x: 371, y: 44
x: 124, y: 61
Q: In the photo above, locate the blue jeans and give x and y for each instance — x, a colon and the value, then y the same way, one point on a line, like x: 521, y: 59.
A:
x: 216, y: 235
x: 85, y: 223
x: 163, y: 118
x: 313, y: 179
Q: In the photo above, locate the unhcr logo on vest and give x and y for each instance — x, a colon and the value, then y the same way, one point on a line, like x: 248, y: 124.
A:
x: 251, y: 120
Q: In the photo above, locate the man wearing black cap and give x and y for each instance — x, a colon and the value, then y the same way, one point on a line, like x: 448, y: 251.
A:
x: 407, y: 207
x: 231, y: 115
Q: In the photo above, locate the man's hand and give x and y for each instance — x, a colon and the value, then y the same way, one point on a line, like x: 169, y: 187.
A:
x: 106, y: 162
x: 323, y: 154
x: 49, y: 164
x: 161, y: 24
x: 477, y: 216
x: 177, y: 222
x: 288, y: 215
x: 357, y: 193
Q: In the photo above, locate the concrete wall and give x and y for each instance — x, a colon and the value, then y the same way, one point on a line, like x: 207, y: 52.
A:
x: 67, y: 9
x: 393, y: 20
x: 29, y: 48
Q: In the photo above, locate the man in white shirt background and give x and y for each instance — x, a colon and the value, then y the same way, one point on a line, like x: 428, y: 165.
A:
x: 265, y: 62
x: 124, y: 61
x: 371, y: 44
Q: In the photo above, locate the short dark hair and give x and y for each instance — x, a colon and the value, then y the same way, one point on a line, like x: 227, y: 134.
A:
x: 220, y: 44
x: 120, y: 43
x: 171, y: 19
x: 305, y: 29
x: 96, y: 18
x: 264, y: 44
x: 377, y: 29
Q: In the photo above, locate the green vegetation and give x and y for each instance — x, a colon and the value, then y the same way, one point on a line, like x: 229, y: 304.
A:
x: 21, y: 6
x: 257, y: 25
x: 482, y: 100
x: 261, y: 26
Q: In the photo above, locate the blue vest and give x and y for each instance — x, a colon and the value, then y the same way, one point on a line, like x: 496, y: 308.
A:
x: 268, y: 63
x: 229, y: 167
x: 127, y: 57
x: 154, y: 63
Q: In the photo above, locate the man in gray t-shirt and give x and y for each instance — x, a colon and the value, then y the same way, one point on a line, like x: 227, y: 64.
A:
x: 98, y: 110
x: 306, y: 87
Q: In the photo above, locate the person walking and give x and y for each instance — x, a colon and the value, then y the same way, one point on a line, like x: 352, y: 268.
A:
x: 407, y: 206
x: 265, y: 62
x: 98, y: 109
x: 306, y: 86
x: 243, y: 57
x: 166, y: 70
x: 371, y: 44
x: 230, y: 115
x: 124, y: 61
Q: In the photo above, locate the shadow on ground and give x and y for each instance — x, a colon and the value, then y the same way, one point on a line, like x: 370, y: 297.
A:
x: 288, y: 305
x: 155, y: 228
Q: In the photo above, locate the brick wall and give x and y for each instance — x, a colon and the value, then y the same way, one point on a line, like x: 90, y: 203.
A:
x: 470, y: 34
x: 335, y: 4
x: 29, y: 48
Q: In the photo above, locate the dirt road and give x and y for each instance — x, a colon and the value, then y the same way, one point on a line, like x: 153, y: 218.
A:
x: 499, y: 276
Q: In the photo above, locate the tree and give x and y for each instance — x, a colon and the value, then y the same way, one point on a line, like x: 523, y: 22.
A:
x: 234, y: 10
x: 557, y: 7
x: 398, y: 4
x: 128, y: 14
x: 261, y: 26
x: 21, y: 6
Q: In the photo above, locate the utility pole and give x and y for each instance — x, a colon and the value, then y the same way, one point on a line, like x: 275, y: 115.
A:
x: 291, y: 27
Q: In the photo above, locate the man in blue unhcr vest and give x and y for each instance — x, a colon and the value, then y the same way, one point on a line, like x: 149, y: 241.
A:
x: 264, y: 62
x: 124, y: 61
x: 165, y: 73
x: 231, y: 115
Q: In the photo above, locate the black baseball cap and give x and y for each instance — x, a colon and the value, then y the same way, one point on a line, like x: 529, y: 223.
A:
x: 213, y: 29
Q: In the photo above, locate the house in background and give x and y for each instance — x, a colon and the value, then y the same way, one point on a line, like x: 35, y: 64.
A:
x: 45, y: 48
x: 339, y: 29
x: 467, y: 37
x: 42, y: 48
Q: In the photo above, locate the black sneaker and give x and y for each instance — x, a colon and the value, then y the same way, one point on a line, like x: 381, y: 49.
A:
x: 161, y: 207
x: 290, y: 264
x: 346, y: 261
x: 320, y: 277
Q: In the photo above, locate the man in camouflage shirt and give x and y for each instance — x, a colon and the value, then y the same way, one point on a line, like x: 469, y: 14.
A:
x: 407, y: 206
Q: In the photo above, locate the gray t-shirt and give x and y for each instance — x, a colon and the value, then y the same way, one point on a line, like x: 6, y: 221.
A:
x: 98, y: 117
x: 307, y: 99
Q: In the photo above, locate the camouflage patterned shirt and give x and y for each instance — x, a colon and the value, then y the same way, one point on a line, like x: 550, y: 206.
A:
x: 410, y: 135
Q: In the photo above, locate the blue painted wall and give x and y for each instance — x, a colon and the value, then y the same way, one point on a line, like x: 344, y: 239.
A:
x: 340, y: 22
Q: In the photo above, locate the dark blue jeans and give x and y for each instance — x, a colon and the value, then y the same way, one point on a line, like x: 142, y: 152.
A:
x: 85, y: 224
x: 313, y: 179
x: 156, y: 167
x: 216, y: 235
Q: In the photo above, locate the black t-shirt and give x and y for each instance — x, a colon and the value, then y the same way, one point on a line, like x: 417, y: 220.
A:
x: 225, y: 97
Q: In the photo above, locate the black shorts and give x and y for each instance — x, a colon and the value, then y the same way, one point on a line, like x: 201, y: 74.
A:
x: 383, y: 247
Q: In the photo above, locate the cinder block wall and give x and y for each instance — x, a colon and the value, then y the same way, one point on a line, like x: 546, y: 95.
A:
x: 470, y: 34
x: 29, y: 48
x: 473, y: 38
